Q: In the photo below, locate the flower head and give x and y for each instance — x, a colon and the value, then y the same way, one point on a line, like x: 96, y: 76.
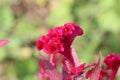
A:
x: 59, y: 39
x: 112, y: 61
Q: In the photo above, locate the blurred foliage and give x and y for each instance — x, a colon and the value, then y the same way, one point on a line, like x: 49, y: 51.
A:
x: 24, y: 21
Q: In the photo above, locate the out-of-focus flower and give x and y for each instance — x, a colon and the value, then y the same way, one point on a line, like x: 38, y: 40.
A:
x: 3, y: 43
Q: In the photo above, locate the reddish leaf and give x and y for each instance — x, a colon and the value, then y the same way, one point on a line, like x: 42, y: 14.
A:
x: 49, y: 70
x: 3, y: 43
x: 65, y: 75
x: 94, y: 74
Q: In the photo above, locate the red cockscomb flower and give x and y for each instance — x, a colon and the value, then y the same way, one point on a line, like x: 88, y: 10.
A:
x: 112, y: 62
x: 59, y: 40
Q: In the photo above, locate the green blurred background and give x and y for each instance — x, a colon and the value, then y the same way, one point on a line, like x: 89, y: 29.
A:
x: 24, y: 21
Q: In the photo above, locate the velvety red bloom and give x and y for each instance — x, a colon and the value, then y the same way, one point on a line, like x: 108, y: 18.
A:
x: 112, y: 61
x: 50, y: 46
x: 59, y: 39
